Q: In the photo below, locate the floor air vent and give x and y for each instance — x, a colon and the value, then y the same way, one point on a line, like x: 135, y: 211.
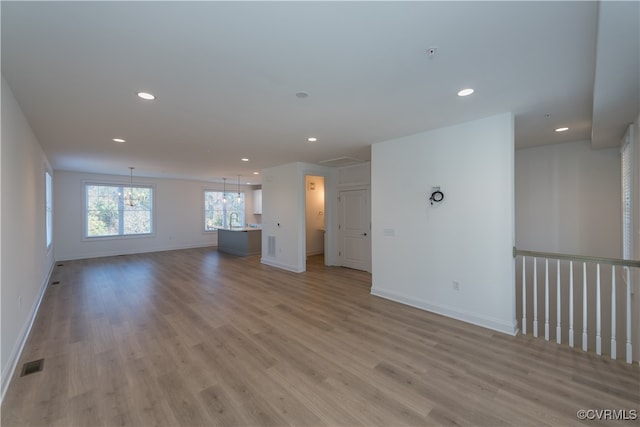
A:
x: 32, y: 367
x: 57, y: 282
x: 60, y: 265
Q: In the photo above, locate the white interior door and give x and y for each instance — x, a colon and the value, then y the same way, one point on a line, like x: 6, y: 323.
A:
x: 354, y: 229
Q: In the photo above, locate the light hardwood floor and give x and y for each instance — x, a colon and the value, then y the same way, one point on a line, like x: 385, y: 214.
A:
x: 200, y: 338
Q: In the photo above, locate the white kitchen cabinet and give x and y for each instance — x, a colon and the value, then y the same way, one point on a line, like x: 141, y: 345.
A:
x: 257, y: 202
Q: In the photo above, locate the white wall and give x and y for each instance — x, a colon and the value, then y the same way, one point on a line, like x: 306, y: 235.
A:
x: 355, y: 176
x: 568, y: 200
x: 178, y: 215
x: 314, y: 215
x: 283, y: 213
x: 420, y: 250
x: 26, y: 267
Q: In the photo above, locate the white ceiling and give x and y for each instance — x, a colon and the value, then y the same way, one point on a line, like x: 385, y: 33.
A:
x: 226, y: 73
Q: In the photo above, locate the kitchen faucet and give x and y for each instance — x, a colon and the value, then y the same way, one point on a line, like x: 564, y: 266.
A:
x: 231, y: 216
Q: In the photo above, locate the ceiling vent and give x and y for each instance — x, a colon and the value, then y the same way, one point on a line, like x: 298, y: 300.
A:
x: 341, y: 161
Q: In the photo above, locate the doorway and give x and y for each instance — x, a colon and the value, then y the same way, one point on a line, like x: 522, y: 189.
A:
x: 315, y: 217
x: 354, y: 229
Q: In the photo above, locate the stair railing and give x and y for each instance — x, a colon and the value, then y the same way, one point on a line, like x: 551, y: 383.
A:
x: 624, y: 271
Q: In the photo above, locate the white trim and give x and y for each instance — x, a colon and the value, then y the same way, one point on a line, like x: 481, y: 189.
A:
x: 478, y: 320
x: 339, y: 232
x: 276, y: 264
x: 213, y: 190
x: 24, y: 334
x: 48, y: 204
x: 101, y: 254
x: 86, y: 238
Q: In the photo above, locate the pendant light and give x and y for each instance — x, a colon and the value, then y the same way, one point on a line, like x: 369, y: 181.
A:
x: 129, y: 199
x: 239, y: 198
x: 224, y: 190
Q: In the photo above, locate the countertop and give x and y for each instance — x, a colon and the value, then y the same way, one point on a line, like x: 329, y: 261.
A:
x: 239, y: 229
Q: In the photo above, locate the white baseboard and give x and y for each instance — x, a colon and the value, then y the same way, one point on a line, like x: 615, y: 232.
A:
x: 509, y: 328
x: 103, y: 254
x: 273, y: 263
x: 24, y: 334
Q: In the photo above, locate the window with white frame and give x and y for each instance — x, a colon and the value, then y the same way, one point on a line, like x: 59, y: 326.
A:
x: 219, y: 213
x: 48, y: 207
x: 627, y: 199
x: 118, y: 210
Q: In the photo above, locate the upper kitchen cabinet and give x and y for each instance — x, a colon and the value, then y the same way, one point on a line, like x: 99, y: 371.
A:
x: 257, y: 202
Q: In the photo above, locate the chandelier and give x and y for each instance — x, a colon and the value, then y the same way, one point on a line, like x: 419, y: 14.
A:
x: 131, y: 199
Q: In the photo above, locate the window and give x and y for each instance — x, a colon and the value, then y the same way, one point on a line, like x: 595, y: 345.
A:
x: 218, y: 214
x: 109, y: 212
x: 48, y: 208
x: 627, y: 191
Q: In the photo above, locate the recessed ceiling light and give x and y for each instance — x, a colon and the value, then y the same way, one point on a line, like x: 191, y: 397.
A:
x: 256, y: 173
x: 245, y: 159
x: 312, y: 139
x: 119, y: 140
x: 562, y: 129
x: 248, y: 183
x: 146, y: 96
x: 465, y: 92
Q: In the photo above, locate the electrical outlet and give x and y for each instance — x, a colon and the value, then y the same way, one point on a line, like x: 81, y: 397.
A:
x: 456, y: 285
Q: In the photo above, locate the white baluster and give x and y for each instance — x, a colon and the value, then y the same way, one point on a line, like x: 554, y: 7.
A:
x: 629, y: 359
x: 535, y: 297
x: 598, y: 313
x: 546, y: 299
x: 613, y: 312
x: 558, y: 305
x: 524, y: 297
x: 570, y: 303
x: 584, y: 306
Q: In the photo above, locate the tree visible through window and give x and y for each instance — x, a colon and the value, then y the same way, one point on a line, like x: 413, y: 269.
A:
x: 218, y: 214
x: 109, y: 214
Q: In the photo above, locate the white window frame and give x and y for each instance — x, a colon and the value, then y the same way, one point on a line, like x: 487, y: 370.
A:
x: 86, y: 237
x: 627, y: 189
x: 225, y: 218
x: 48, y: 208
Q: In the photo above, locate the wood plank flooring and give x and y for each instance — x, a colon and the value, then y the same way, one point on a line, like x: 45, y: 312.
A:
x: 201, y: 338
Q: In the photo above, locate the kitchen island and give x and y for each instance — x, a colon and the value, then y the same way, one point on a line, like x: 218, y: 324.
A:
x: 240, y: 241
